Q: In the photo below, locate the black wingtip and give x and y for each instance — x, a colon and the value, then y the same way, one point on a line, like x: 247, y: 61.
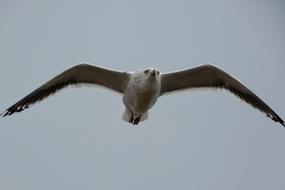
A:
x: 281, y: 122
x: 276, y: 118
x: 4, y: 113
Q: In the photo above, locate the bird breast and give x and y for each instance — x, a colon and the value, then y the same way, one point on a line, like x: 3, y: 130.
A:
x: 141, y: 95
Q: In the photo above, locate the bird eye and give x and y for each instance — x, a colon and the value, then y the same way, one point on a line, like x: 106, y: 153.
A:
x: 146, y: 71
x: 157, y: 72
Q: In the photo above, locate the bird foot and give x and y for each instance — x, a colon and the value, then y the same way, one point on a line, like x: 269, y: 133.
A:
x: 135, y: 119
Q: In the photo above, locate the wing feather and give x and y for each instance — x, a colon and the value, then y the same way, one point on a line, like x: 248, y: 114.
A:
x: 213, y: 77
x: 79, y: 74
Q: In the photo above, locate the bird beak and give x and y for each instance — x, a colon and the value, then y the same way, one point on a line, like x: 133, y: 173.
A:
x: 152, y: 72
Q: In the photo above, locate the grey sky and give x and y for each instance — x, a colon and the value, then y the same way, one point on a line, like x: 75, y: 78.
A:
x: 192, y: 140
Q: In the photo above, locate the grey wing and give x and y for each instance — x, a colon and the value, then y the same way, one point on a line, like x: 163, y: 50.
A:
x: 79, y: 74
x: 213, y: 77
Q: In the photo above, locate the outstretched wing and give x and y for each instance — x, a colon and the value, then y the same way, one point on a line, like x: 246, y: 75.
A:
x: 213, y: 77
x: 79, y: 74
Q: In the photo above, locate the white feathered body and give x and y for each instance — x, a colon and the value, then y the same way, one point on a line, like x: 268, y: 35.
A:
x: 140, y: 95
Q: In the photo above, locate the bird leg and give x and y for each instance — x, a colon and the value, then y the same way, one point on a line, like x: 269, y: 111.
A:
x: 135, y: 119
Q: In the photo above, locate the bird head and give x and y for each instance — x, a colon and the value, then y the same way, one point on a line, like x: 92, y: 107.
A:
x: 151, y: 73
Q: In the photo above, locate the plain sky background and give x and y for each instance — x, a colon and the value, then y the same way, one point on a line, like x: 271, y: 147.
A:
x: 192, y: 140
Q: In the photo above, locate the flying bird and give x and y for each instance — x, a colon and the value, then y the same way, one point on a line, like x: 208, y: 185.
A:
x: 141, y: 89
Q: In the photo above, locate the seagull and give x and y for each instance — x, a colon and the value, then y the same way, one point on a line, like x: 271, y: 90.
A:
x: 141, y: 89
